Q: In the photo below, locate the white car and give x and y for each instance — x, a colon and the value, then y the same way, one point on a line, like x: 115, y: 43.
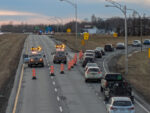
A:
x: 90, y: 65
x: 89, y: 55
x: 120, y: 105
x: 90, y: 51
x: 136, y: 43
x: 120, y: 46
x: 93, y: 73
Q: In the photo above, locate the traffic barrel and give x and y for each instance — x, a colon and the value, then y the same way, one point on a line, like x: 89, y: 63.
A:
x: 62, y: 68
x: 52, y: 71
x: 33, y: 74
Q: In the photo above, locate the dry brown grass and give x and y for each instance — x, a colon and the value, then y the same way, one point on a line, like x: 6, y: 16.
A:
x: 93, y: 42
x: 10, y: 50
x: 139, y: 72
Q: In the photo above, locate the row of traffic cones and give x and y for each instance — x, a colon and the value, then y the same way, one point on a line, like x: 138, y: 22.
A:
x: 71, y: 64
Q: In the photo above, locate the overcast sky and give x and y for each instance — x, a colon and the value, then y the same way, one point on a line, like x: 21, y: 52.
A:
x: 42, y: 11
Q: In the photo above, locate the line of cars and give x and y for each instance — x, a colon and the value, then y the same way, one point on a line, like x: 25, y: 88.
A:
x: 116, y: 90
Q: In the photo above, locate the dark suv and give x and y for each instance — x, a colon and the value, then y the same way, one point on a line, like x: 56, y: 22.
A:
x: 108, y: 47
x: 36, y: 60
x: 60, y: 57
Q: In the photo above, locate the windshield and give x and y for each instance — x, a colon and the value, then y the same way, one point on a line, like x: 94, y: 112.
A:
x: 113, y: 77
x: 93, y: 70
x: 122, y: 103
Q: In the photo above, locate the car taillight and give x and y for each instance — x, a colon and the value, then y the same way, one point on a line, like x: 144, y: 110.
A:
x: 112, y: 108
x: 132, y: 108
x: 99, y: 72
x: 31, y: 60
x: 41, y: 59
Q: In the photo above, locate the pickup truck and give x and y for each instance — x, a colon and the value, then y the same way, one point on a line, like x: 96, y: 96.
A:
x: 113, y: 84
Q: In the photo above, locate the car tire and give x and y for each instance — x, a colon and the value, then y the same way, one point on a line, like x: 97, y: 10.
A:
x: 29, y: 65
x: 101, y: 89
x: 65, y: 62
x: 86, y: 80
x: 54, y: 62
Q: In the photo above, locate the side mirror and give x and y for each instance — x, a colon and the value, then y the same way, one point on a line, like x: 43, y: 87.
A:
x: 44, y: 56
x: 66, y: 53
x: 52, y: 53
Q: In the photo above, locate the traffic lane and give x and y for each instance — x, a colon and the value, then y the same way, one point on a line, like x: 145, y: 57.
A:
x: 80, y: 98
x: 37, y: 95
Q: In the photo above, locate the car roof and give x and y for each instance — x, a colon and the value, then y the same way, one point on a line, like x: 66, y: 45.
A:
x: 121, y: 99
x: 136, y: 40
x: 91, y: 63
x: 92, y: 67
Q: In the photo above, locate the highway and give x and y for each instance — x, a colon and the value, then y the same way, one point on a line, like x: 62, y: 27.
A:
x: 66, y: 93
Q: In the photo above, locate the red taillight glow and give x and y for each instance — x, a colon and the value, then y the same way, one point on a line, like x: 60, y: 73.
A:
x: 106, y: 84
x: 112, y: 108
x: 99, y: 72
x: 132, y: 108
x: 31, y: 60
x: 41, y: 59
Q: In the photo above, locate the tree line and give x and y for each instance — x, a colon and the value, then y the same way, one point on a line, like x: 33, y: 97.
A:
x: 116, y: 24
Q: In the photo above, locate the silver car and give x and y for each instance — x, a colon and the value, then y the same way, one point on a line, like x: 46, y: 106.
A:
x: 120, y: 105
x: 136, y: 43
x: 90, y: 65
x: 93, y: 73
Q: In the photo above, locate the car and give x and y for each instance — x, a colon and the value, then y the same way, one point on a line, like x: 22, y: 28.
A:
x: 108, y: 47
x: 136, y: 43
x: 26, y: 58
x: 90, y: 65
x: 59, y: 57
x: 98, y: 54
x: 87, y: 60
x: 93, y: 73
x: 100, y: 49
x: 120, y: 46
x: 146, y: 42
x: 90, y: 51
x: 92, y: 55
x: 36, y: 60
x: 120, y: 105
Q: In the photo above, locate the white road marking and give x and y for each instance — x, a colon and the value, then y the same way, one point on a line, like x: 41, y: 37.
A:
x: 52, y: 77
x: 54, y: 83
x: 58, y: 99
x: 60, y: 108
x: 142, y: 106
x: 56, y: 89
x: 104, y: 66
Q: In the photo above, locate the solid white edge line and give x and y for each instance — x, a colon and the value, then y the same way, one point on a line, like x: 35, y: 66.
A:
x: 60, y: 108
x: 142, y: 106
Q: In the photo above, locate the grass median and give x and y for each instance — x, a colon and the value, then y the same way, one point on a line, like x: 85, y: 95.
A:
x: 10, y: 47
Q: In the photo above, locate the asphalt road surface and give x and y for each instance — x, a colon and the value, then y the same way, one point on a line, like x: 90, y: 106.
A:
x: 66, y: 93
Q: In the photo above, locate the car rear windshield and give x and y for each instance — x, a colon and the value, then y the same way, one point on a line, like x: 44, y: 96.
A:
x: 122, y: 103
x: 36, y: 55
x: 113, y: 77
x: 60, y: 54
x: 89, y: 55
x: 92, y: 64
x: 93, y: 70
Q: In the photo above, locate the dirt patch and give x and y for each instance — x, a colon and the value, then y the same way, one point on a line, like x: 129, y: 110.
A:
x: 11, y: 48
x: 139, y: 72
x: 93, y: 42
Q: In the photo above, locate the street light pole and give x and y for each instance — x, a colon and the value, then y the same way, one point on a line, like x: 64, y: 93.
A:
x: 76, y: 16
x: 126, y: 41
x: 123, y: 9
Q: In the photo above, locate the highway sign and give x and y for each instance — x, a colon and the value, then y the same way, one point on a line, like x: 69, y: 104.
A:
x: 83, y: 42
x: 115, y: 35
x: 68, y: 30
x: 86, y: 36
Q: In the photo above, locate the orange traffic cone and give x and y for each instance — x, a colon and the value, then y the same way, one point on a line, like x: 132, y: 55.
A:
x: 33, y: 74
x: 62, y: 68
x: 72, y: 63
x: 69, y: 65
x: 52, y: 71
